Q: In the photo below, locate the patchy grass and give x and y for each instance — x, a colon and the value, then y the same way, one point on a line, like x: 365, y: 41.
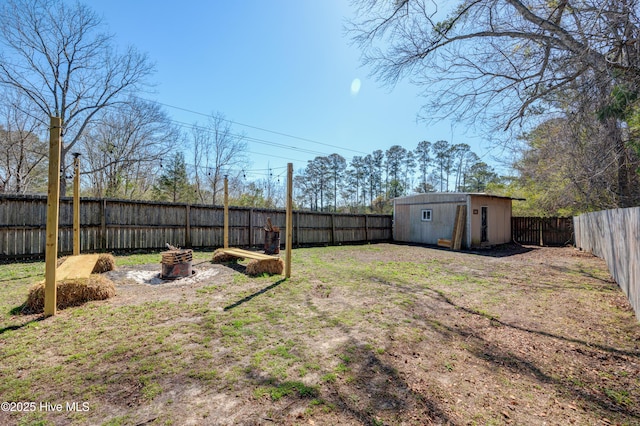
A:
x: 377, y: 334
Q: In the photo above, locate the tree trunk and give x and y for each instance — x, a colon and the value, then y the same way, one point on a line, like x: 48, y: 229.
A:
x: 614, y: 134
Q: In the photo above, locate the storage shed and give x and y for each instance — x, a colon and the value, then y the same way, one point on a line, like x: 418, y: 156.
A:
x: 427, y: 218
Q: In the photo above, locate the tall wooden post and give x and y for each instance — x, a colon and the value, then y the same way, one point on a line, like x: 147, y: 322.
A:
x: 226, y: 213
x: 53, y: 208
x: 289, y: 220
x: 76, y: 204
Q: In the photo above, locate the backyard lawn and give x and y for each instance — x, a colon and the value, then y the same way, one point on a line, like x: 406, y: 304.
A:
x: 378, y: 334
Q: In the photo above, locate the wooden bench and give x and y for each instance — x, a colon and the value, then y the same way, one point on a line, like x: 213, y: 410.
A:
x: 246, y: 254
x: 79, y: 266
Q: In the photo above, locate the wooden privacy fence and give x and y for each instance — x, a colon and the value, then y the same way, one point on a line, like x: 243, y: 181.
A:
x: 542, y: 231
x: 614, y: 235
x: 123, y: 225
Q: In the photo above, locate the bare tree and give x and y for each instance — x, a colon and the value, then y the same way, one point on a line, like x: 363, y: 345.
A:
x: 217, y: 150
x: 504, y: 61
x: 56, y: 55
x: 22, y: 152
x: 124, y: 149
x: 504, y: 51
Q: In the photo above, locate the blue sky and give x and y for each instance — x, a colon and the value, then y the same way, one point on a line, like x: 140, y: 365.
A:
x: 280, y: 65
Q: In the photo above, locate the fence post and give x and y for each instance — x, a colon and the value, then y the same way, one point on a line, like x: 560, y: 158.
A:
x: 187, y: 231
x: 250, y: 226
x: 333, y: 229
x: 225, y: 232
x: 366, y: 228
x: 76, y: 204
x: 298, y: 229
x: 103, y: 225
x: 540, y: 226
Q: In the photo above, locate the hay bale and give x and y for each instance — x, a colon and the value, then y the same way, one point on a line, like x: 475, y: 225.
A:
x: 270, y: 266
x: 106, y: 262
x: 73, y: 292
x: 220, y: 257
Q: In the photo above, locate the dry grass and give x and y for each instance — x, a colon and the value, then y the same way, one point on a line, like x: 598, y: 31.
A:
x: 71, y: 293
x: 106, y: 262
x: 271, y: 267
x: 220, y: 257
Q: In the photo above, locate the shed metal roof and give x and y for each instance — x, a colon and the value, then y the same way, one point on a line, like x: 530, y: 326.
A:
x: 475, y: 194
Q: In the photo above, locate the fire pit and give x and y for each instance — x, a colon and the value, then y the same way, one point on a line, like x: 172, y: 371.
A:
x: 176, y: 264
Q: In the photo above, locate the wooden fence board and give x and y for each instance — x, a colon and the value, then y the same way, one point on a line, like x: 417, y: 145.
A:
x: 614, y: 235
x: 122, y: 225
x: 543, y: 231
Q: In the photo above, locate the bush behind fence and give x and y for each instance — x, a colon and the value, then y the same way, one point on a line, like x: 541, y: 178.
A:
x: 124, y: 225
x: 614, y: 235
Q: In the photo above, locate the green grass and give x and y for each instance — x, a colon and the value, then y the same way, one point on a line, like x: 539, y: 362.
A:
x: 280, y: 390
x: 347, y: 320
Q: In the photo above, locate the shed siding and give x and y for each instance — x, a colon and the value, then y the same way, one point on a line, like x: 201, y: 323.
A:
x: 408, y: 225
x: 498, y: 220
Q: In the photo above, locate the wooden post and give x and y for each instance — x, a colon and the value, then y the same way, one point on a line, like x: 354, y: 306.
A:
x: 76, y: 203
x: 53, y: 209
x: 103, y: 224
x: 225, y: 237
x: 289, y: 221
x: 250, y: 228
x: 187, y: 226
x: 366, y: 228
x: 298, y: 229
x: 333, y: 229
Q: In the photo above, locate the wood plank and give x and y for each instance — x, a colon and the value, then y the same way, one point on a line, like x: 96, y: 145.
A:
x: 77, y: 267
x: 248, y: 254
x: 458, y: 229
x: 444, y: 243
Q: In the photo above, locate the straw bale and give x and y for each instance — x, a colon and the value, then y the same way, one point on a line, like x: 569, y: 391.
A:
x: 72, y: 292
x: 270, y: 266
x: 220, y: 257
x: 106, y: 262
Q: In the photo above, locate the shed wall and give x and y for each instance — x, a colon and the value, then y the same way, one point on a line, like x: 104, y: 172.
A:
x: 498, y: 220
x: 408, y: 223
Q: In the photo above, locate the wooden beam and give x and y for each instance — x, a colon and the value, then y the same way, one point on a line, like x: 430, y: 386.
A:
x: 77, y: 267
x: 246, y: 254
x: 458, y: 228
x: 103, y: 224
x: 444, y: 243
x: 250, y: 227
x: 225, y: 237
x: 366, y: 228
x: 333, y: 229
x: 298, y: 229
x: 53, y: 209
x: 289, y: 221
x: 76, y: 204
x: 187, y: 226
